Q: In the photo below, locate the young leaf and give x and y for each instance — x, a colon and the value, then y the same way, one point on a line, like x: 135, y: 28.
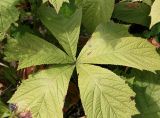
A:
x: 104, y: 94
x: 132, y: 12
x: 155, y: 13
x: 111, y: 44
x: 96, y: 12
x: 43, y: 94
x: 147, y: 88
x: 31, y: 50
x: 8, y: 14
x: 66, y: 30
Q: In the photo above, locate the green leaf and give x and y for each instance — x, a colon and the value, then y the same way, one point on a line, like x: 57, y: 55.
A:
x: 66, y: 30
x: 155, y: 30
x: 44, y: 1
x: 104, y: 94
x: 111, y: 44
x: 155, y: 13
x: 96, y: 12
x: 4, y: 111
x: 57, y: 4
x: 148, y: 2
x: 67, y: 9
x: 2, y: 36
x: 132, y: 12
x: 147, y: 88
x: 77, y: 2
x: 31, y: 50
x: 43, y: 94
x: 8, y: 14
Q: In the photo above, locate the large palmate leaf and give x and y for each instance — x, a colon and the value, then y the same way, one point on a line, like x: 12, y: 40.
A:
x: 111, y: 44
x: 155, y: 13
x: 132, y: 12
x: 31, y: 50
x: 147, y: 88
x: 8, y: 14
x: 66, y: 30
x: 104, y: 94
x: 96, y: 12
x: 57, y: 3
x: 44, y: 93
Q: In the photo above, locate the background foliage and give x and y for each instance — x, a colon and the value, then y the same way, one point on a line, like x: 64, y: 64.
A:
x: 77, y: 58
